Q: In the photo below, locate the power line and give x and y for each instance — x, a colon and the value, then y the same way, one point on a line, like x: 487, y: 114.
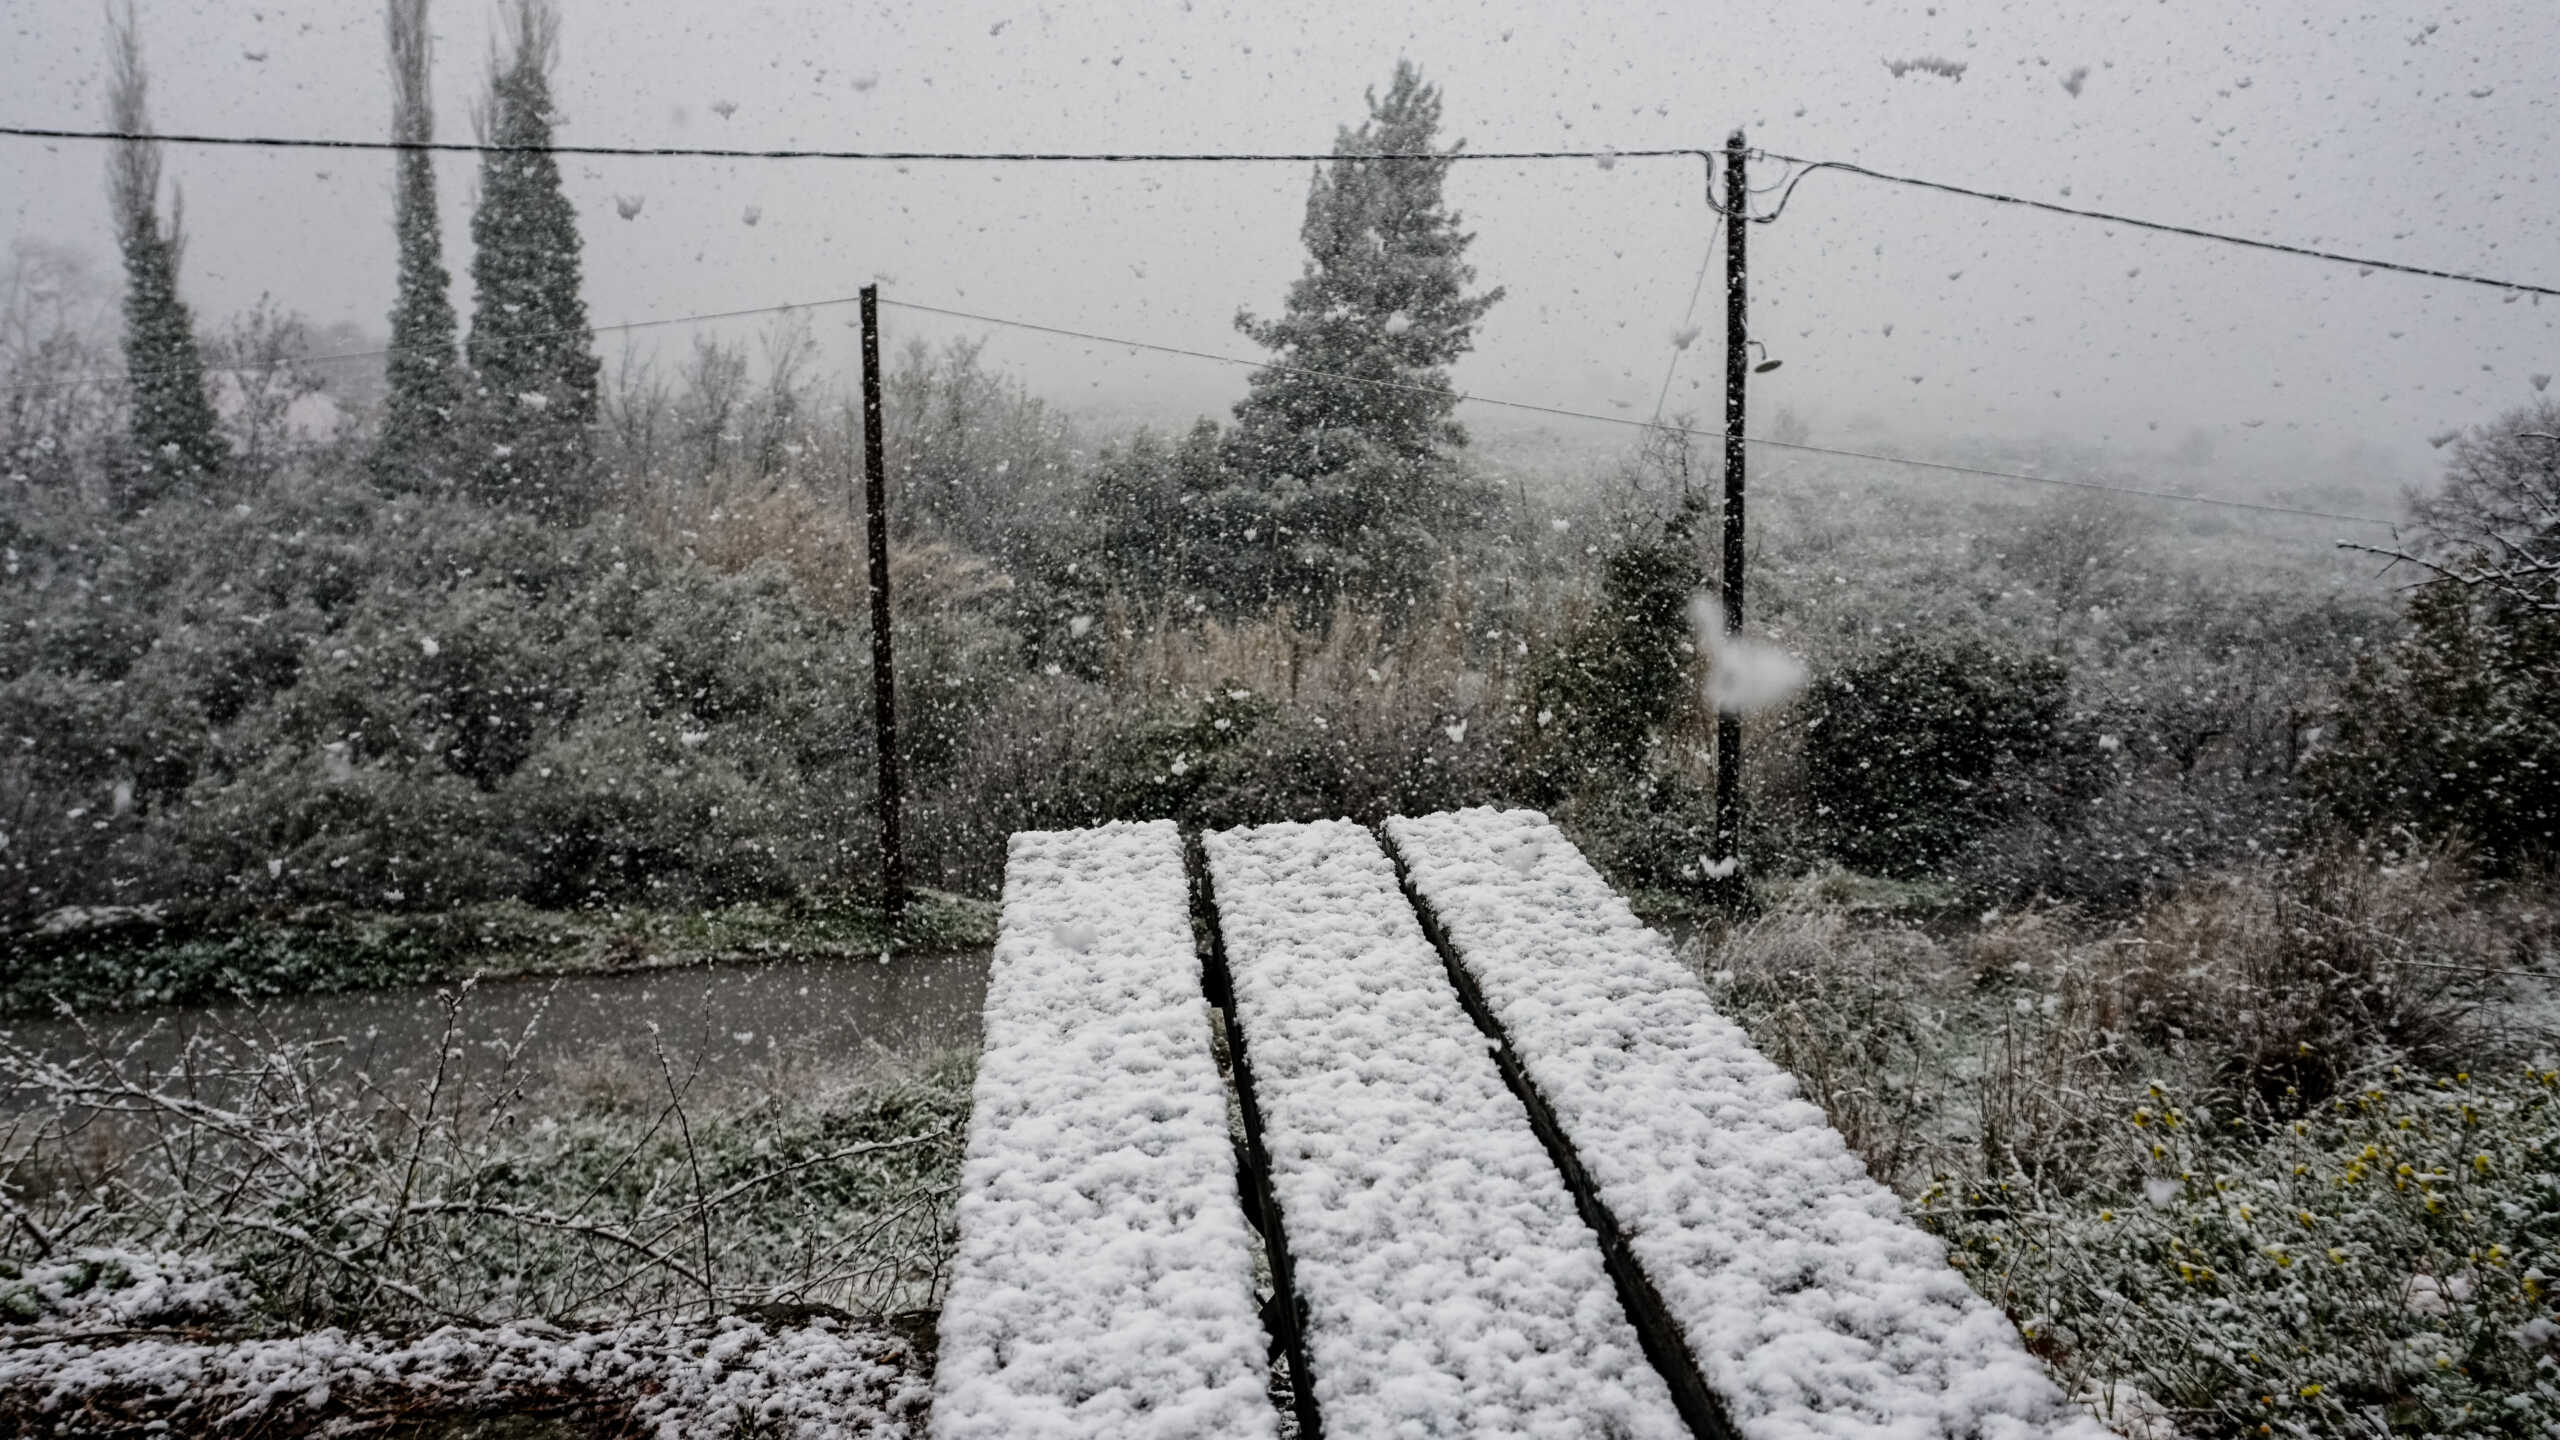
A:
x: 2162, y: 226
x: 107, y: 376
x: 1244, y: 362
x: 1680, y: 346
x: 1559, y: 411
x: 1604, y: 155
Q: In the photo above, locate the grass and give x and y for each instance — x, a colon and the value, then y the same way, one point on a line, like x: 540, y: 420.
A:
x: 2276, y: 1155
x: 109, y: 959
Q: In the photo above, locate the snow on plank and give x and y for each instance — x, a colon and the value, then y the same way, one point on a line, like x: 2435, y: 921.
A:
x: 1450, y: 1288
x: 1813, y: 1307
x: 1103, y: 1282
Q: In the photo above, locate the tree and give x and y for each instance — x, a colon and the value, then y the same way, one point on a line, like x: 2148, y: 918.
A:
x: 52, y: 314
x: 2495, y: 526
x: 415, y: 450
x: 1357, y: 474
x: 532, y: 355
x: 176, y: 436
x: 2455, y: 729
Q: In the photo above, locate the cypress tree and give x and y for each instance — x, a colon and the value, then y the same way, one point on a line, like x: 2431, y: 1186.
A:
x: 415, y: 448
x: 531, y: 353
x: 176, y: 436
x: 1360, y: 480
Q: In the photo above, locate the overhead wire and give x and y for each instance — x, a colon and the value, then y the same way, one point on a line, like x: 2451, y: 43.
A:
x: 1605, y: 154
x: 1564, y: 413
x: 2192, y: 232
x: 383, y: 352
x: 1681, y: 340
x: 1248, y: 363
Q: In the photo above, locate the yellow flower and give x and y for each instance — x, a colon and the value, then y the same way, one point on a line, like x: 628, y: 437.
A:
x: 2311, y: 1390
x: 2480, y: 1162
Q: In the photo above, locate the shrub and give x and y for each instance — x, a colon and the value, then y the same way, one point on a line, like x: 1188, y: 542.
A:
x: 2454, y: 730
x: 331, y: 697
x: 2384, y: 1262
x: 1622, y: 675
x: 1914, y: 751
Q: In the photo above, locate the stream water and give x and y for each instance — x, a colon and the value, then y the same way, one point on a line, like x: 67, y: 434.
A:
x: 721, y: 1021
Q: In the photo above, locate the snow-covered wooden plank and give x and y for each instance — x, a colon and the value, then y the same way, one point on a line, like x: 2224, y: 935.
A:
x: 1813, y: 1306
x: 1449, y: 1286
x: 1103, y: 1282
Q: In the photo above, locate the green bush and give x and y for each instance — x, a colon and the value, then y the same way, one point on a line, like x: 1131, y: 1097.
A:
x: 335, y: 697
x: 2386, y: 1263
x: 1616, y: 680
x: 1913, y: 752
x: 2454, y: 730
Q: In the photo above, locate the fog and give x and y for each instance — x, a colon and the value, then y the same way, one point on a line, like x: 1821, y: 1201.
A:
x: 2419, y: 134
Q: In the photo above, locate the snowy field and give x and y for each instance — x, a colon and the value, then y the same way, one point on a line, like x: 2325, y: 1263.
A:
x: 1815, y: 1309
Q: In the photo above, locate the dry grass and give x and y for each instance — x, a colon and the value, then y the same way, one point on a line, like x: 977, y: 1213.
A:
x: 2011, y: 1046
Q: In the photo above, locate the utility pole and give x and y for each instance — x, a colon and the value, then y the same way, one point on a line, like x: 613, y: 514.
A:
x: 1737, y: 369
x: 884, y: 708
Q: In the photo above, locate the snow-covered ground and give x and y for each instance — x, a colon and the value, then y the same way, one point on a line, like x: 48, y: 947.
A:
x: 1451, y: 1288
x: 80, y: 1367
x: 1815, y: 1308
x: 1104, y: 1283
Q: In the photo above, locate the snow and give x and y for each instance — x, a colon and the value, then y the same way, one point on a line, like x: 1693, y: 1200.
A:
x: 818, y: 1383
x: 106, y: 1289
x: 1103, y: 1280
x: 1815, y: 1309
x: 1450, y: 1287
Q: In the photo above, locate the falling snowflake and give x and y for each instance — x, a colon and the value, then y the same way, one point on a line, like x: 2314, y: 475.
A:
x: 1928, y: 65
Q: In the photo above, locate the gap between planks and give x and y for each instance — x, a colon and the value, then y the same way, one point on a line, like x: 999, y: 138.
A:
x: 1664, y: 1343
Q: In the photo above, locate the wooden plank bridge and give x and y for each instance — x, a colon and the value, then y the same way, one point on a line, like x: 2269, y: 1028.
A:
x: 1441, y: 1122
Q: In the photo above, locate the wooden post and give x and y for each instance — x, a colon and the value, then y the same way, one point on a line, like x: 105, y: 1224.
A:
x: 884, y: 707
x: 1737, y: 368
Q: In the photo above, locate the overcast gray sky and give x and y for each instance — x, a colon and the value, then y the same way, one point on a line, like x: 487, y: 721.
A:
x: 2424, y: 133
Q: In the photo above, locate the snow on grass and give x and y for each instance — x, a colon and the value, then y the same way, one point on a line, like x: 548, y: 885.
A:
x: 1451, y: 1288
x: 1815, y: 1309
x: 1103, y: 1283
x: 102, y: 1288
x: 823, y: 1382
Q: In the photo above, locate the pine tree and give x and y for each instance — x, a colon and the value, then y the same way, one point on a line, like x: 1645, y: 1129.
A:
x: 1360, y: 481
x: 415, y: 450
x: 176, y: 435
x: 532, y: 355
